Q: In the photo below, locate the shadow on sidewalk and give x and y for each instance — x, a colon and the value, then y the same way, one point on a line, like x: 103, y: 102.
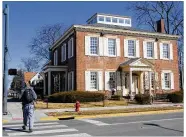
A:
x: 152, y: 124
x: 14, y: 129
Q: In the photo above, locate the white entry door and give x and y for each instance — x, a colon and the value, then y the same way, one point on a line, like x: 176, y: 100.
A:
x: 134, y: 85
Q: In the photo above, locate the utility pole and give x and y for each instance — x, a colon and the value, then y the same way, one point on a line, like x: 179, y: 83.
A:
x: 5, y: 71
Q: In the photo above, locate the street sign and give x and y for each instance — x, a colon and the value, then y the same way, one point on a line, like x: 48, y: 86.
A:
x: 12, y: 72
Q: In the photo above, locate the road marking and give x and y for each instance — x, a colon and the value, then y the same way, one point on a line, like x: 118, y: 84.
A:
x: 44, y: 127
x: 43, y: 132
x: 74, y: 135
x: 145, y: 121
x: 35, y: 124
x: 95, y: 122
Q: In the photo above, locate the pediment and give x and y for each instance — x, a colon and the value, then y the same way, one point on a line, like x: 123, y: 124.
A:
x: 139, y: 63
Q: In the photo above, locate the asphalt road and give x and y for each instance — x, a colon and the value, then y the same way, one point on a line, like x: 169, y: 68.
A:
x: 169, y: 124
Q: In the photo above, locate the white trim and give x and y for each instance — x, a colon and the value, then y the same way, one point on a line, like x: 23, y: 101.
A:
x: 171, y: 51
x: 87, y: 45
x: 125, y: 47
x: 63, y: 51
x: 101, y: 46
x: 100, y: 80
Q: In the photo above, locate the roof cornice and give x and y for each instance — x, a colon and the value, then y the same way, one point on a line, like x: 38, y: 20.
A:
x: 151, y: 34
x: 113, y: 31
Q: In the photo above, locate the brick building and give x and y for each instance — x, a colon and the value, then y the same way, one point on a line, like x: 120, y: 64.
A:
x: 107, y: 53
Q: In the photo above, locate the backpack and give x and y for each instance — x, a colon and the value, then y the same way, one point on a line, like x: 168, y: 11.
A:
x: 28, y: 96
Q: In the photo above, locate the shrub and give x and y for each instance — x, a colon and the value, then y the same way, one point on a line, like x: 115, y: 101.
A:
x: 115, y: 97
x: 73, y: 96
x: 143, y: 98
x: 176, y: 97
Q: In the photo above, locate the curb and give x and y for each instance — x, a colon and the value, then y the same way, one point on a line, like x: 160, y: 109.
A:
x: 50, y: 118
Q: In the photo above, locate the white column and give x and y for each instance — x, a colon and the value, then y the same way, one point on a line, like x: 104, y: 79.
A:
x: 44, y: 84
x: 123, y: 83
x: 141, y: 83
x: 150, y: 83
x: 130, y: 84
x: 49, y: 82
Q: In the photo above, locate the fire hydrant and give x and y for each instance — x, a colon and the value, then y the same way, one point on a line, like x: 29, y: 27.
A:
x: 77, y: 106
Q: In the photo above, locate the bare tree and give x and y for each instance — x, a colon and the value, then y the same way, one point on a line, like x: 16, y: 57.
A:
x: 30, y: 64
x: 148, y: 13
x: 44, y: 39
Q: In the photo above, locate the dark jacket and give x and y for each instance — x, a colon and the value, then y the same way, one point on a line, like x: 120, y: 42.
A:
x: 33, y: 93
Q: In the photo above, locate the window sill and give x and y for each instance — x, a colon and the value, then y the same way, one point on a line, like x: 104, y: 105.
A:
x: 132, y: 57
x: 167, y: 89
x: 166, y: 59
x: 112, y: 56
x: 96, y: 55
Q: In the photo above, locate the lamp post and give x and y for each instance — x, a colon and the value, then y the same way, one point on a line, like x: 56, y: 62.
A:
x: 5, y: 71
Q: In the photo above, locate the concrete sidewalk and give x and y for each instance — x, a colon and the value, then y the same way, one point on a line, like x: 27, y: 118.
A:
x: 15, y: 110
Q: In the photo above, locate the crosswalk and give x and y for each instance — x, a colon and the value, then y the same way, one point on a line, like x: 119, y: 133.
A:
x: 44, y: 129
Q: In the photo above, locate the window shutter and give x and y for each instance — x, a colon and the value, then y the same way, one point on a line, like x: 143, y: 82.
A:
x: 68, y: 81
x: 100, y: 75
x: 68, y: 49
x: 155, y: 50
x: 87, y: 45
x: 72, y: 46
x: 72, y: 80
x: 118, y: 46
x: 156, y: 80
x: 171, y: 52
x: 56, y: 57
x: 137, y: 49
x: 162, y: 81
x: 87, y: 80
x: 118, y: 80
x: 101, y: 46
x: 105, y: 46
x: 172, y: 80
x: 106, y: 80
x: 125, y: 48
x: 146, y: 80
x: 144, y: 49
x: 161, y: 50
x: 65, y: 51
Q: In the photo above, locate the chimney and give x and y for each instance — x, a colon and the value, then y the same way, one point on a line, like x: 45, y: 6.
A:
x: 160, y: 26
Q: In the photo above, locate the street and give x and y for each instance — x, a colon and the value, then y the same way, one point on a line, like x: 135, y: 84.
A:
x: 170, y: 124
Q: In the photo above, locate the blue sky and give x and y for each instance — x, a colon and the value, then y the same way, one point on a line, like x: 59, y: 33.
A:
x: 27, y: 17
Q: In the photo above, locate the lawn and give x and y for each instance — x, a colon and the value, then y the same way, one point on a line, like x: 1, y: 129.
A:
x: 108, y: 103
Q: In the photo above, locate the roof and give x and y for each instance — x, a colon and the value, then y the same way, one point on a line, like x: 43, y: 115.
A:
x: 129, y: 61
x: 28, y: 76
x: 107, y: 15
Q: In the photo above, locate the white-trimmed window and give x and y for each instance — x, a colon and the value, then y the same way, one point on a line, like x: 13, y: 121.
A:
x: 70, y: 48
x: 114, y: 20
x: 121, y: 21
x: 108, y: 19
x: 63, y: 52
x: 131, y: 48
x: 112, y: 79
x: 94, y: 45
x: 127, y: 21
x: 94, y: 80
x: 166, y: 50
x: 167, y: 80
x: 150, y: 49
x: 70, y: 81
x: 101, y: 18
x: 55, y: 57
x: 112, y: 47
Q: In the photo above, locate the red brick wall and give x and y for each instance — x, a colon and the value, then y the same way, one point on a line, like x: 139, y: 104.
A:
x: 87, y: 62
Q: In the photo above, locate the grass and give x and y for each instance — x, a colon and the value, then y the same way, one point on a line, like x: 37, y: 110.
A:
x: 98, y: 112
x: 108, y: 103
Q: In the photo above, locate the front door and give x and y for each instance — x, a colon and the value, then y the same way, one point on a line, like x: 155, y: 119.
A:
x: 134, y: 85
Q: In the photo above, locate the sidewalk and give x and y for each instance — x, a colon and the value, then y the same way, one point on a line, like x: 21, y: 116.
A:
x: 15, y: 110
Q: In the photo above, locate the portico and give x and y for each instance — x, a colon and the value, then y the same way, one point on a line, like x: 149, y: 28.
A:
x: 136, y: 76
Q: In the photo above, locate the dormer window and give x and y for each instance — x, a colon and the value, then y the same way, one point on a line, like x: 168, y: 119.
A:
x: 101, y: 18
x: 114, y: 20
x: 108, y: 19
x: 121, y: 21
x: 127, y: 21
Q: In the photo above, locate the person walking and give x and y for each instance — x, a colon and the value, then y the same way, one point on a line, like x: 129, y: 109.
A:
x: 28, y: 97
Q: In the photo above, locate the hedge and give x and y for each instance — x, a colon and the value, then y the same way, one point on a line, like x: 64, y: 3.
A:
x: 143, y: 98
x: 176, y: 97
x: 73, y: 96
